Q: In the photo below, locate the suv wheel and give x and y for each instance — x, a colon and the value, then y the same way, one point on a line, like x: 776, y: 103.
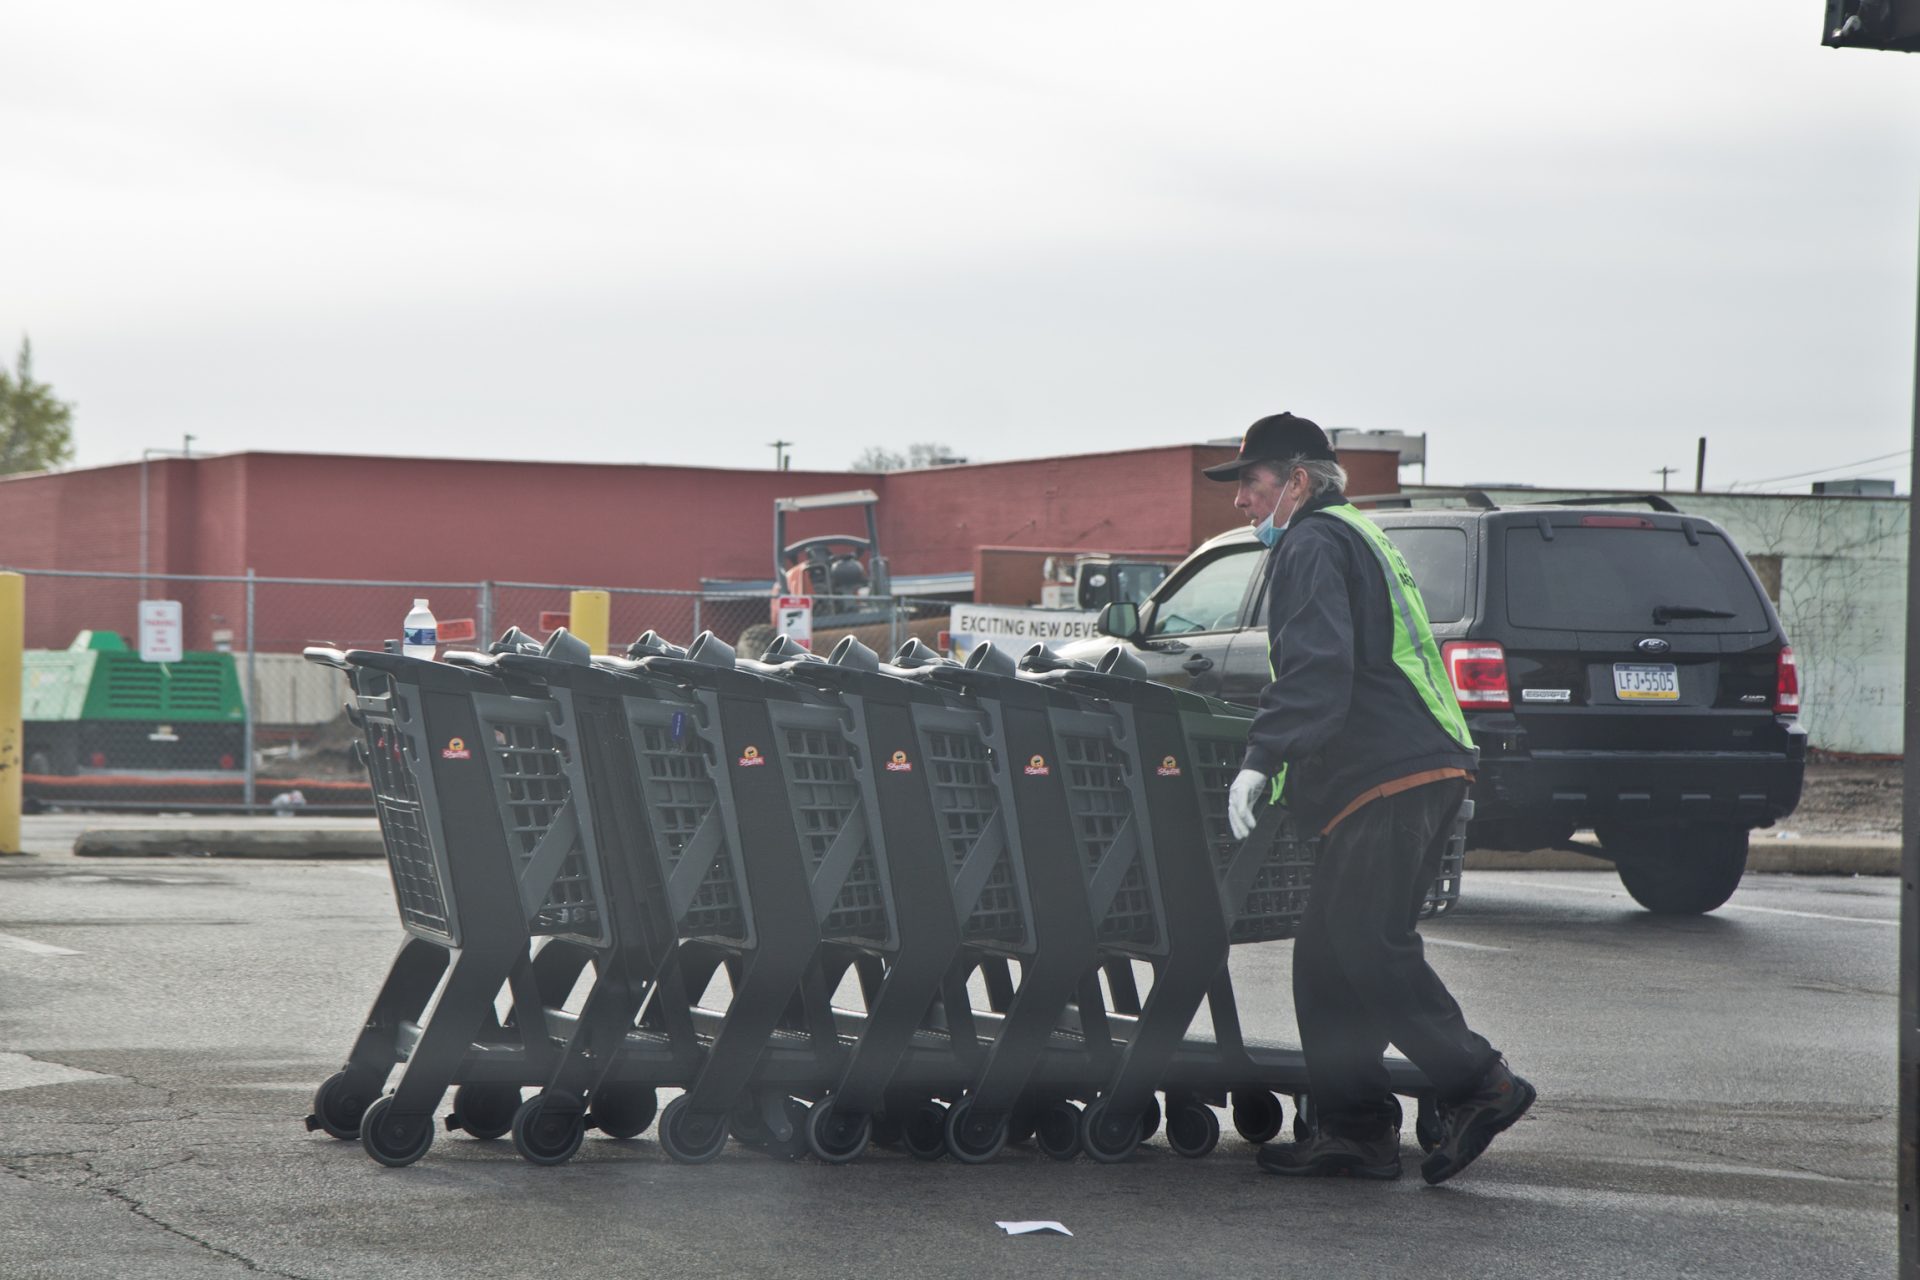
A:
x: 1684, y: 870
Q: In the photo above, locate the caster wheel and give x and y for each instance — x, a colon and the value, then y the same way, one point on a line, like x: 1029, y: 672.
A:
x: 1192, y: 1128
x: 750, y: 1129
x: 924, y: 1133
x: 1058, y: 1131
x: 395, y: 1141
x: 889, y: 1132
x: 835, y: 1136
x: 1303, y: 1122
x: 1026, y: 1117
x: 1150, y: 1119
x: 623, y: 1111
x: 547, y: 1129
x: 1257, y: 1115
x: 972, y: 1140
x: 1100, y: 1139
x: 1429, y: 1124
x: 484, y: 1110
x: 689, y: 1137
x: 340, y: 1102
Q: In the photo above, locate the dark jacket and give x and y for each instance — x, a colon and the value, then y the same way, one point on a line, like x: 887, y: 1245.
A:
x: 1339, y: 713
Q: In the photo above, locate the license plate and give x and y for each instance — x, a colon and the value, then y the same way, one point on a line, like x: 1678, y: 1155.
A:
x: 1646, y: 681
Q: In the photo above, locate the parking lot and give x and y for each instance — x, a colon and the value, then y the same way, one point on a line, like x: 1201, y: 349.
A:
x: 1717, y: 1098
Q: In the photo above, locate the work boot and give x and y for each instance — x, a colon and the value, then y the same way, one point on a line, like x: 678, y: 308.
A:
x: 1472, y: 1122
x: 1335, y: 1155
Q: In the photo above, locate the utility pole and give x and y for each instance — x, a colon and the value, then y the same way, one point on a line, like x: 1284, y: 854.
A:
x: 1894, y: 26
x: 1663, y: 473
x: 1700, y: 468
x: 780, y: 448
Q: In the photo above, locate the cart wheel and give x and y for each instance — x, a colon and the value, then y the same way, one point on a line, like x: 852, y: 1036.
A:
x: 973, y: 1140
x: 794, y: 1145
x: 623, y: 1110
x: 1302, y: 1118
x: 1257, y: 1115
x: 889, y: 1132
x: 1098, y: 1139
x: 689, y: 1137
x: 1025, y: 1119
x: 1429, y: 1125
x: 485, y: 1111
x: 547, y: 1128
x: 395, y: 1141
x: 837, y: 1137
x: 925, y: 1131
x: 340, y: 1102
x: 1192, y: 1128
x: 1150, y: 1118
x: 1058, y: 1130
x: 746, y: 1126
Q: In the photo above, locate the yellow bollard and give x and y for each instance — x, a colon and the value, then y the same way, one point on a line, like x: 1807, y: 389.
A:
x: 13, y: 634
x: 587, y: 618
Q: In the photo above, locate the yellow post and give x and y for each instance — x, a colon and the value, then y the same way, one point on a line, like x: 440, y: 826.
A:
x: 13, y: 635
x: 587, y: 618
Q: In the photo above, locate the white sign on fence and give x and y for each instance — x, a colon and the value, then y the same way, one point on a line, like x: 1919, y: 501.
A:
x: 162, y: 637
x: 1010, y: 628
x: 795, y: 620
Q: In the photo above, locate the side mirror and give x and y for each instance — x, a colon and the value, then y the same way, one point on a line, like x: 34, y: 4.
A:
x: 1121, y: 620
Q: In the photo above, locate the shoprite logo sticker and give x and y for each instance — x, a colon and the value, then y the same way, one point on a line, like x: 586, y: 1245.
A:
x: 751, y: 757
x: 1037, y: 767
x: 899, y: 763
x: 456, y: 750
x: 1169, y: 768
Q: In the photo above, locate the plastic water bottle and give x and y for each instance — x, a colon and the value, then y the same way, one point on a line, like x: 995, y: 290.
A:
x: 422, y: 633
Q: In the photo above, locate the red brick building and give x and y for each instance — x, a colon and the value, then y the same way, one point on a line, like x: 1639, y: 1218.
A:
x: 427, y: 520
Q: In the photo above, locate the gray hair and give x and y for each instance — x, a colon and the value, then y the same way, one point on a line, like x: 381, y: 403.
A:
x: 1323, y: 476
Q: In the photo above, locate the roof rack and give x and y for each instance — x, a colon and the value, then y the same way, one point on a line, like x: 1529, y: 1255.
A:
x: 1653, y: 500
x: 1472, y: 497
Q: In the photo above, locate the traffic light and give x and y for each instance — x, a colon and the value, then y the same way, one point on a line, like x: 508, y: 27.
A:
x: 1873, y: 24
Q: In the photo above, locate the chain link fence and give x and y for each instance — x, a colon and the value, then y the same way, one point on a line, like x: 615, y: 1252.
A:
x: 242, y: 722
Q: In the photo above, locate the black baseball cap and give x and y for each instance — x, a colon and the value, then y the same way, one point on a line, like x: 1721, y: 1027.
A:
x: 1279, y: 438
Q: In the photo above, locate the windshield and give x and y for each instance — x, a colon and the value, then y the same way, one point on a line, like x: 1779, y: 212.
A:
x: 1209, y: 598
x: 1611, y: 579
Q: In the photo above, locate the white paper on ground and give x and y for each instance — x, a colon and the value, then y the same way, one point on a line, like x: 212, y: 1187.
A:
x: 1028, y: 1228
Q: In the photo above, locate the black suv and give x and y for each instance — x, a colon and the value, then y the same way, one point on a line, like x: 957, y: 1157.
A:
x: 1621, y: 670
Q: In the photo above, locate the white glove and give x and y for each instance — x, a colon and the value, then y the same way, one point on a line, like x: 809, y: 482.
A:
x: 1240, y: 798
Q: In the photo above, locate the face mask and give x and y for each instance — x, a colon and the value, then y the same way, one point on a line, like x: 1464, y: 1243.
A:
x: 1267, y: 531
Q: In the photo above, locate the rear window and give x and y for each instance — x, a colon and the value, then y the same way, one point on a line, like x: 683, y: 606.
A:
x: 1588, y: 579
x: 1438, y: 558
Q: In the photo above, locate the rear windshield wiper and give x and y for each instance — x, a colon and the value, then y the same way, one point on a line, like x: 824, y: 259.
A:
x: 1673, y: 612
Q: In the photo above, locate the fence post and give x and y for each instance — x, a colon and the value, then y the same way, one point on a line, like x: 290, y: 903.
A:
x: 893, y: 625
x: 696, y: 620
x: 485, y: 612
x: 253, y: 694
x: 13, y: 613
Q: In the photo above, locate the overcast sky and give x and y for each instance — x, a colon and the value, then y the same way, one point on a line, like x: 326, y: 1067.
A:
x: 1563, y: 239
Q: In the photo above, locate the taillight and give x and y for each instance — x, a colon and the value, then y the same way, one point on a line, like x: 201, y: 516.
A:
x: 1786, y: 689
x: 1479, y: 674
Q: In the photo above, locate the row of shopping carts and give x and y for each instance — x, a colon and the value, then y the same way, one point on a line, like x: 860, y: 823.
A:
x: 833, y: 902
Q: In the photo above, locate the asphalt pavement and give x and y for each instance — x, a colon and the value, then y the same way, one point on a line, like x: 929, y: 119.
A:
x: 1717, y: 1099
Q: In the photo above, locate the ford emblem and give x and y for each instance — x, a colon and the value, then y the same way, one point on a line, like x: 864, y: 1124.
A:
x: 1653, y: 644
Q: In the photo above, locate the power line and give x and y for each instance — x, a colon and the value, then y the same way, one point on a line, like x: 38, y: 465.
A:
x: 1820, y: 471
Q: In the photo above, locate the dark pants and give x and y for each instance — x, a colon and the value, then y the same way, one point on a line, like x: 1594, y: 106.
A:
x: 1360, y: 975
